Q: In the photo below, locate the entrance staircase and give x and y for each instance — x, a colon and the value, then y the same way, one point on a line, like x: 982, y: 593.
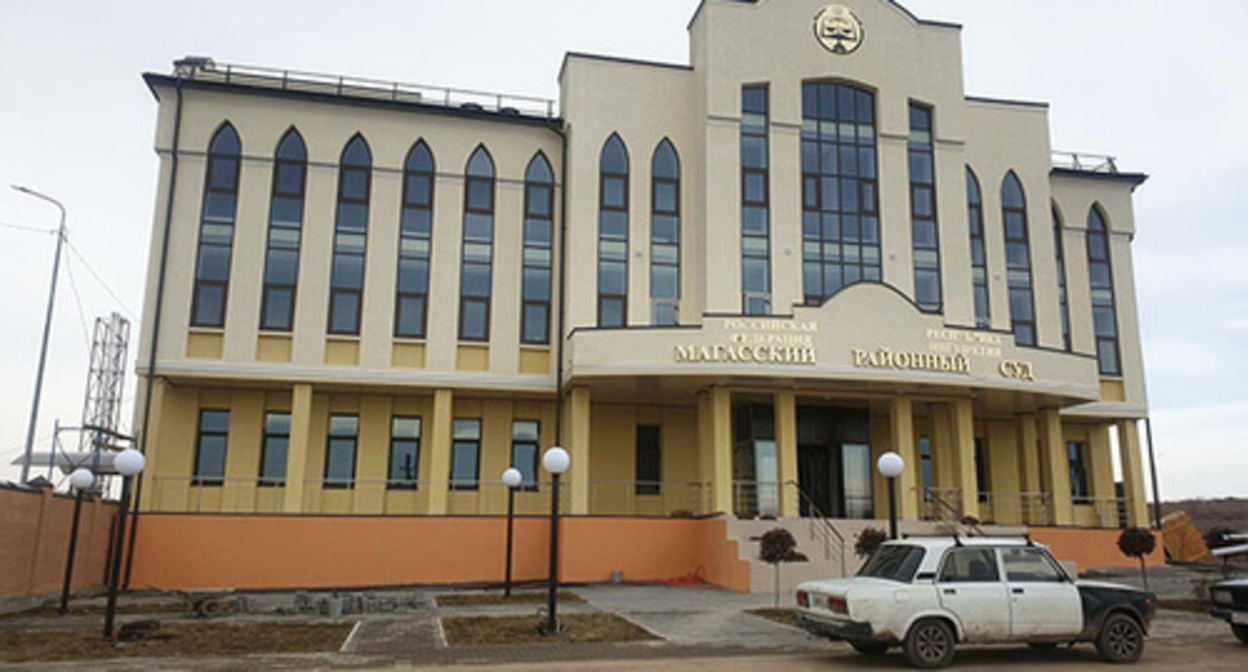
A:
x: 828, y: 544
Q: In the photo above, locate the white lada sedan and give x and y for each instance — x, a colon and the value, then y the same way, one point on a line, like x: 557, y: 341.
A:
x: 928, y: 594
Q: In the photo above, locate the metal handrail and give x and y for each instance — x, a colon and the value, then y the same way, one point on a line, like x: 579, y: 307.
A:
x: 959, y: 515
x: 229, y: 73
x: 820, y: 516
x: 1083, y: 161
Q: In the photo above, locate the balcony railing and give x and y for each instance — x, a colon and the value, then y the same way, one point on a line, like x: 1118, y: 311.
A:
x: 755, y: 498
x: 206, y: 69
x: 1088, y: 163
x: 1016, y: 508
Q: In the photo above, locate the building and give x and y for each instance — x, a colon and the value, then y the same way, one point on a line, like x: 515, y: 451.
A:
x: 726, y: 287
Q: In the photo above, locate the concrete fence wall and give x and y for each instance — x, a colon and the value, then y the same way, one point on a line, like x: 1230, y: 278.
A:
x: 34, y: 541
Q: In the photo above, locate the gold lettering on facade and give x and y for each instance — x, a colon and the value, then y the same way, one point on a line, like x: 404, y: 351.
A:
x: 885, y: 358
x: 757, y: 341
x: 1017, y: 370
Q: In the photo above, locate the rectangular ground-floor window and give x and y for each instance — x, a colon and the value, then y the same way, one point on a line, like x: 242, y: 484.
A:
x: 465, y: 454
x: 404, y: 453
x: 524, y: 436
x: 344, y: 436
x: 214, y: 433
x: 649, y: 460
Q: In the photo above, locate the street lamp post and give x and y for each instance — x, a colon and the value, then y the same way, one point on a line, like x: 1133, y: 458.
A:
x: 556, y: 461
x: 128, y: 462
x: 511, y: 478
x: 890, y: 466
x: 81, y: 481
x: 47, y: 327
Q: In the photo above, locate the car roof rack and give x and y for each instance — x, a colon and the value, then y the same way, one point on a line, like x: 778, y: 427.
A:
x: 957, y: 538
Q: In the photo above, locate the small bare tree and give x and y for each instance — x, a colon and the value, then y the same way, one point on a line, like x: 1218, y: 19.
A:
x: 778, y: 546
x: 1137, y: 542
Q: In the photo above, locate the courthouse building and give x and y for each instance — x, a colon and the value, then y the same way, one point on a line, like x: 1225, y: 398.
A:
x: 724, y: 286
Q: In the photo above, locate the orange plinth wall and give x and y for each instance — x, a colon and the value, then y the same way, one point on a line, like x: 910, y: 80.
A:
x: 1092, y: 548
x: 176, y: 551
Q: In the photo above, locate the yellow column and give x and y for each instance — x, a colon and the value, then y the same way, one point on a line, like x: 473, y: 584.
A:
x: 1028, y: 455
x: 1100, y: 459
x: 297, y: 450
x: 944, y: 450
x: 901, y: 425
x: 721, y: 450
x: 438, y: 474
x: 578, y: 417
x: 151, y: 485
x: 962, y: 432
x: 1055, y: 466
x: 786, y: 451
x: 1132, y: 473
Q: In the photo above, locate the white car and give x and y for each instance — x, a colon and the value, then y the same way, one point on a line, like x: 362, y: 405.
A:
x: 928, y: 594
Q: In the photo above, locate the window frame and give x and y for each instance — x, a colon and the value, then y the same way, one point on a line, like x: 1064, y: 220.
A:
x: 755, y: 246
x: 328, y: 483
x: 1019, y: 276
x: 409, y: 201
x: 198, y: 478
x: 218, y: 154
x: 412, y: 483
x: 538, y: 255
x: 468, y: 442
x: 659, y: 248
x: 519, y: 440
x: 921, y: 149
x: 648, y: 460
x: 607, y: 255
x: 1103, y: 295
x: 488, y: 179
x: 270, y: 288
x: 264, y: 479
x: 338, y: 286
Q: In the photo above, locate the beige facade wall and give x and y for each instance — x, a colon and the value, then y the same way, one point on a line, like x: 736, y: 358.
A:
x: 955, y: 384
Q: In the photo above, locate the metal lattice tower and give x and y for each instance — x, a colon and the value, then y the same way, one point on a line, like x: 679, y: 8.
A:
x: 101, y: 407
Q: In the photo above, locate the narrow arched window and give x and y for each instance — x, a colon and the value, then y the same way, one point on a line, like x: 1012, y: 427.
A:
x: 613, y: 234
x: 979, y: 254
x: 840, y: 209
x: 216, y: 229
x: 346, y: 284
x: 411, y: 295
x: 539, y: 214
x: 476, y: 268
x: 1063, y: 302
x: 755, y: 201
x: 665, y: 235
x: 281, y: 262
x: 925, y: 233
x: 1101, y: 279
x: 1018, y: 261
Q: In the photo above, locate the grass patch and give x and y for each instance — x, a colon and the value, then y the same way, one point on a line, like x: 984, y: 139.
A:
x: 1189, y: 604
x: 491, y: 599
x: 583, y: 628
x: 175, y: 640
x: 52, y: 611
x: 781, y: 616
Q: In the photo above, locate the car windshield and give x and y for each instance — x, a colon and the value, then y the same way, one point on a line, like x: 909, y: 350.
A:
x: 896, y: 562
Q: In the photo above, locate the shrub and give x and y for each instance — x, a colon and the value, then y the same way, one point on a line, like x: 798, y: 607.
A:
x: 869, y: 540
x: 1137, y: 542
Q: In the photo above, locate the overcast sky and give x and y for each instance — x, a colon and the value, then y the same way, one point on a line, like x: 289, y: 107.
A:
x: 1157, y: 84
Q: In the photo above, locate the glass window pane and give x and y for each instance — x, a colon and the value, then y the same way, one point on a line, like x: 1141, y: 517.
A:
x: 665, y: 196
x: 344, y: 313
x: 613, y: 195
x: 411, y: 317
x: 209, y: 305
x: 473, y: 320
x: 278, y: 308
x: 613, y: 224
x: 611, y: 312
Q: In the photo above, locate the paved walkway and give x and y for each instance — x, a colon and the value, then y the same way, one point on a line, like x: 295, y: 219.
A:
x: 694, y: 624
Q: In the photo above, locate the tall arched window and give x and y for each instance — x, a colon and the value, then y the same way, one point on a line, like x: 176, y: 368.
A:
x: 1063, y: 301
x: 216, y: 229
x: 665, y: 235
x: 1101, y: 279
x: 346, y: 282
x: 1018, y: 260
x: 415, y: 234
x: 840, y: 212
x: 476, y: 269
x: 979, y: 254
x: 613, y: 234
x: 539, y: 209
x: 925, y: 233
x: 281, y: 263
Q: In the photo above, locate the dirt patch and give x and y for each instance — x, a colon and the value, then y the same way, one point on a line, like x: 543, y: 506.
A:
x: 179, y: 639
x: 492, y: 630
x: 98, y: 610
x: 781, y: 616
x: 489, y: 599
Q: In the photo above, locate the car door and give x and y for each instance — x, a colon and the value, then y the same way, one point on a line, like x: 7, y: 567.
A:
x: 969, y: 586
x: 1044, y: 604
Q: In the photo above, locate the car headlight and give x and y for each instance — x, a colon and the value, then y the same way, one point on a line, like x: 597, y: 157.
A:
x: 1222, y: 597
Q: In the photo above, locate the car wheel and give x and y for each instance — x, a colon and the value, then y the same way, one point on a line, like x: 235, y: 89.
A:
x: 1121, y: 639
x: 1241, y: 632
x: 870, y: 648
x: 929, y: 644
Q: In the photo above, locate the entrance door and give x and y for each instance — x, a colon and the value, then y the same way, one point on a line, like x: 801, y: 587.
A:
x: 814, y: 468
